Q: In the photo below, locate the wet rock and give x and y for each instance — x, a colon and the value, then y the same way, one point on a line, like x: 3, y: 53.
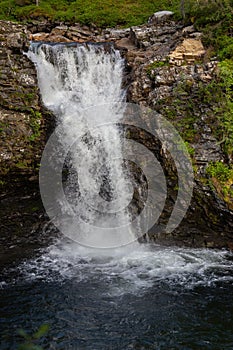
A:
x: 116, y: 34
x: 36, y: 26
x: 40, y: 36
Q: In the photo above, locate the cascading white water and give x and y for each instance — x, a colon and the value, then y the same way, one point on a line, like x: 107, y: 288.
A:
x: 72, y: 79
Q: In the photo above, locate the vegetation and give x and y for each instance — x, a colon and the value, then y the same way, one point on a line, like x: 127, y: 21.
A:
x: 156, y: 64
x: 35, y: 124
x: 213, y: 17
x: 225, y: 113
x: 220, y: 171
x: 221, y: 179
x: 101, y: 12
x: 31, y: 341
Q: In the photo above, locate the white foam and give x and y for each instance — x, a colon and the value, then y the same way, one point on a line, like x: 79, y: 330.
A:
x: 132, y: 269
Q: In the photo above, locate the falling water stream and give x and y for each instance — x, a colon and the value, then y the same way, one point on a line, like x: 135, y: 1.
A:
x: 132, y: 296
x: 72, y: 79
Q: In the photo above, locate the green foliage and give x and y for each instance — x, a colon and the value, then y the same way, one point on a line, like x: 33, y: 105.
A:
x: 31, y: 341
x: 156, y: 64
x: 180, y: 109
x: 190, y: 149
x: 221, y: 178
x: 220, y: 171
x: 7, y: 9
x: 225, y: 112
x: 35, y: 124
x: 213, y: 17
x: 104, y: 13
x: 217, y: 96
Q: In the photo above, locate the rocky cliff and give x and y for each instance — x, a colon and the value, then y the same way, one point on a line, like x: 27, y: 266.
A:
x: 167, y: 69
x: 22, y: 117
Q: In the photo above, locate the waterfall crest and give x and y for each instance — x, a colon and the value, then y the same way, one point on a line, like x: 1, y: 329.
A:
x: 82, y: 85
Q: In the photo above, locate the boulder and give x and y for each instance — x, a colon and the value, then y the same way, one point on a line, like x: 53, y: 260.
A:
x: 160, y: 17
x: 188, y: 51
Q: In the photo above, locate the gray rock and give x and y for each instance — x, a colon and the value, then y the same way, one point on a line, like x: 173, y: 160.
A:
x: 160, y: 16
x: 20, y: 148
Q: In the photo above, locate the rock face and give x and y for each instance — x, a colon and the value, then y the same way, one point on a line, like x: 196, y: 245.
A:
x: 21, y: 122
x: 168, y: 70
x: 170, y: 73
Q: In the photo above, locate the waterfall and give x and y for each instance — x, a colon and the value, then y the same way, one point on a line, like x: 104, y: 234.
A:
x: 82, y: 86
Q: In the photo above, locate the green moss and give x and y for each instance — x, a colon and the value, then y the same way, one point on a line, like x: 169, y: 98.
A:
x: 156, y: 64
x: 190, y: 149
x: 213, y: 17
x: 222, y: 172
x: 181, y: 110
x: 22, y: 164
x: 25, y: 98
x: 35, y: 124
x: 221, y: 179
x: 225, y: 112
x: 187, y: 100
x: 104, y: 13
x: 218, y: 96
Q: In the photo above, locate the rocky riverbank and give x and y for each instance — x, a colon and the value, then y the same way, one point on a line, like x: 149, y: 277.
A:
x: 167, y: 69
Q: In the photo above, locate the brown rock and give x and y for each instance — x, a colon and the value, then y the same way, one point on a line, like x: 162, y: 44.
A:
x: 39, y: 36
x: 188, y: 51
x: 125, y: 43
x: 58, y: 39
x: 61, y: 30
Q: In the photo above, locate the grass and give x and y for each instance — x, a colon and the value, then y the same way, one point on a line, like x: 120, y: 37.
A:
x: 103, y: 13
x: 213, y: 17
